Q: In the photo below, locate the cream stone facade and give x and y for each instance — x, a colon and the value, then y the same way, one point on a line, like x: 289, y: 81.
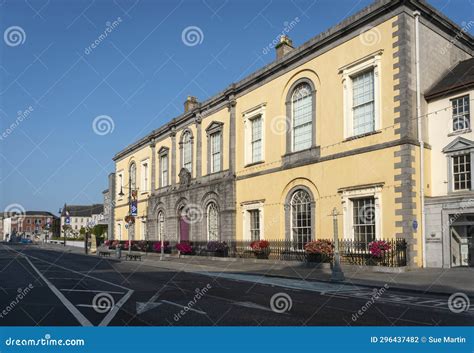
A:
x: 329, y: 125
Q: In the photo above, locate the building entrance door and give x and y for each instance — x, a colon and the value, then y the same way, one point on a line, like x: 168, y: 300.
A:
x: 183, y: 228
x: 462, y: 240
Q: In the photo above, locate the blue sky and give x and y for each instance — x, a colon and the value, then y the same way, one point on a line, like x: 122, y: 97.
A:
x: 139, y: 76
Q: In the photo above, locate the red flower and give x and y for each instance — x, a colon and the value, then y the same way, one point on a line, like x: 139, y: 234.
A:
x: 259, y: 245
x: 379, y: 247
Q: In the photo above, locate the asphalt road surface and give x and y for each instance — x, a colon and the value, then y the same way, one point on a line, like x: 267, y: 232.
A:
x: 52, y: 288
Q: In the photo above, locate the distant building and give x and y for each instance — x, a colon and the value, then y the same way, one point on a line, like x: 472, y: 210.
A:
x: 81, y: 216
x: 30, y: 223
x: 450, y: 203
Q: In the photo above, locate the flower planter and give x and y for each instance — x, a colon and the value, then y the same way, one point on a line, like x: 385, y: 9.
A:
x: 218, y: 253
x: 262, y: 255
x: 314, y: 258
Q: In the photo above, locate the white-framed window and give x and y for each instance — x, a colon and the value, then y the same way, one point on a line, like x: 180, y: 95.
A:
x: 462, y: 172
x: 302, y: 117
x: 300, y: 218
x: 143, y: 229
x: 144, y: 176
x: 254, y: 216
x: 164, y: 170
x: 216, y: 139
x: 362, y: 214
x: 161, y: 225
x: 212, y: 222
x: 254, y: 134
x: 119, y: 231
x: 132, y: 176
x: 361, y: 90
x: 461, y: 114
x: 256, y: 139
x: 252, y: 213
x: 187, y: 151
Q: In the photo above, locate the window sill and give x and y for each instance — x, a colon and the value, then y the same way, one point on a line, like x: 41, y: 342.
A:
x: 311, y: 154
x: 253, y: 164
x: 356, y: 137
x: 460, y: 132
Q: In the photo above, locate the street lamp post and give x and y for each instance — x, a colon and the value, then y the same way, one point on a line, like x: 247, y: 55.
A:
x: 337, y: 274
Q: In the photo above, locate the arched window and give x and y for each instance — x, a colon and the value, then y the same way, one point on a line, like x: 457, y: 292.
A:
x: 300, y: 218
x: 132, y: 179
x: 161, y: 225
x: 187, y: 156
x: 212, y: 222
x: 302, y: 117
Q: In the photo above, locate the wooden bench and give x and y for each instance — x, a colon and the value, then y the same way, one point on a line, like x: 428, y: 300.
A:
x: 134, y: 257
x: 104, y: 253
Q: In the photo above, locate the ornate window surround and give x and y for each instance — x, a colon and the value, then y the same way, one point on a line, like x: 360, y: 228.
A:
x: 458, y: 146
x: 213, y: 128
x: 249, y: 206
x: 248, y: 116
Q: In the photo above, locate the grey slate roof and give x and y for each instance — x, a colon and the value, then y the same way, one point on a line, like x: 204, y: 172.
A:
x: 459, y: 78
x: 83, y: 210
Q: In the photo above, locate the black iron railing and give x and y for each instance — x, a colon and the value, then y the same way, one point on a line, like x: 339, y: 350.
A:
x: 389, y: 252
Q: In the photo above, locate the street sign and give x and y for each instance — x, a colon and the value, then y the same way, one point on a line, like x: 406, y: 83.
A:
x: 126, y: 225
x: 415, y: 224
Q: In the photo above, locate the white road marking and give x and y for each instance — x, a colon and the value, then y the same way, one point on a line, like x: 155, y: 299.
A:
x: 144, y: 307
x: 252, y: 306
x: 74, y: 311
x: 116, y: 308
x: 183, y: 306
x: 65, y: 278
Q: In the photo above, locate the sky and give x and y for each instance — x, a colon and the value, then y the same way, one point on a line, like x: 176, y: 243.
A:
x: 73, y: 104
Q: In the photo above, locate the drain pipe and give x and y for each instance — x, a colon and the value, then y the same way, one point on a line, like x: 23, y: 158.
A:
x: 420, y: 135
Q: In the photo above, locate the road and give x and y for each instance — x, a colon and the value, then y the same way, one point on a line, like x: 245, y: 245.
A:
x: 42, y: 287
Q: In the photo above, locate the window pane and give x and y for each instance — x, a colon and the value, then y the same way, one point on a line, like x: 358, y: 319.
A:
x: 212, y: 222
x: 461, y: 114
x: 187, y: 152
x: 462, y: 172
x: 215, y: 152
x: 364, y: 221
x: 254, y: 224
x: 164, y: 170
x: 302, y: 109
x: 363, y: 103
x: 256, y: 139
x: 300, y: 219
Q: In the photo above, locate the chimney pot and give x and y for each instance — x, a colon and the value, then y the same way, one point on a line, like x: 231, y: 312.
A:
x: 190, y: 104
x: 284, y: 47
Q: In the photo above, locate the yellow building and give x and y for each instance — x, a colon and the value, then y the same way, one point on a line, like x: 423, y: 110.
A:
x: 328, y: 125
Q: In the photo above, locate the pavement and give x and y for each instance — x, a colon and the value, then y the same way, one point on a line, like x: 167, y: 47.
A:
x: 432, y: 280
x: 70, y: 288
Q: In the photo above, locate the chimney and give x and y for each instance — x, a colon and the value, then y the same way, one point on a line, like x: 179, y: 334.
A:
x: 284, y: 47
x: 190, y: 104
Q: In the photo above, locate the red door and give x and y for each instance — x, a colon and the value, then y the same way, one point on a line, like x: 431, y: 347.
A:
x: 183, y: 229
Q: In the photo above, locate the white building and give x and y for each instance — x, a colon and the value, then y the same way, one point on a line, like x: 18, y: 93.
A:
x: 449, y: 204
x: 81, y: 216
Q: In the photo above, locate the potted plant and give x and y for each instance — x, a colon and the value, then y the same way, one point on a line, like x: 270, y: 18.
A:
x: 184, y: 248
x: 166, y: 247
x: 261, y: 249
x: 377, y: 250
x: 319, y: 251
x: 218, y: 248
